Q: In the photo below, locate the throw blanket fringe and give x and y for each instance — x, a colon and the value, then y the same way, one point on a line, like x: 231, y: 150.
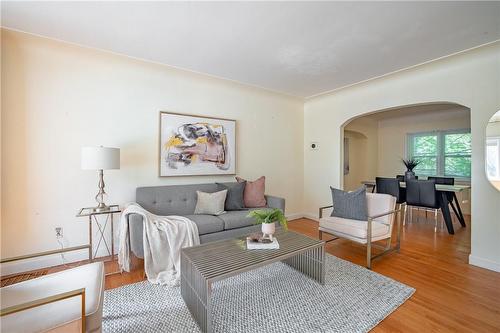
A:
x: 163, y: 238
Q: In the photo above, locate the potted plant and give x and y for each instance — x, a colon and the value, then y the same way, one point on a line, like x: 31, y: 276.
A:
x: 268, y: 217
x: 410, y: 163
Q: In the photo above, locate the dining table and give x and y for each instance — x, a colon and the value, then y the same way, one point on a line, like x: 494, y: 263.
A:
x: 442, y: 195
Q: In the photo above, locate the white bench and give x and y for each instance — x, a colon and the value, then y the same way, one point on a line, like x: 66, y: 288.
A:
x: 55, y: 300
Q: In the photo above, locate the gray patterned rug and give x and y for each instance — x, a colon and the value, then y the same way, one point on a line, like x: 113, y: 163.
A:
x: 275, y: 298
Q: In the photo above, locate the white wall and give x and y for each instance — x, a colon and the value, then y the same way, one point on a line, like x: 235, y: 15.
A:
x: 493, y: 130
x: 57, y: 97
x: 470, y: 79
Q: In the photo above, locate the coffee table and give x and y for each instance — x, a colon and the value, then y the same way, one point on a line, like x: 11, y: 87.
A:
x: 204, y: 264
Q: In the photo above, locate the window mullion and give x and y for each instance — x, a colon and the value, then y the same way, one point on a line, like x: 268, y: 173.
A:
x: 440, y: 154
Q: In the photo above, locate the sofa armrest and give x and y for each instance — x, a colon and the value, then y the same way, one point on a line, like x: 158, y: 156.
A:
x: 136, y: 231
x: 275, y: 202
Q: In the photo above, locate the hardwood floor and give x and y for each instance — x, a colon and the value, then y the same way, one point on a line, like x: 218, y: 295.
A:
x: 451, y: 296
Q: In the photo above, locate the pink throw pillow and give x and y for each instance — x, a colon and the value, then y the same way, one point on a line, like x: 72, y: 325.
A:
x: 253, y: 196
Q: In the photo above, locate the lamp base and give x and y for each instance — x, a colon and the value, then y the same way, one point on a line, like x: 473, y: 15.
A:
x: 101, y: 208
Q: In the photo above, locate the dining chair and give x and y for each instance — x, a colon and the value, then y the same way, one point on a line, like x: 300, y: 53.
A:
x: 391, y: 186
x: 446, y: 181
x: 422, y: 194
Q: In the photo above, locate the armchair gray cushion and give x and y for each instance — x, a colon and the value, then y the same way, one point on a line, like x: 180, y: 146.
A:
x: 350, y: 205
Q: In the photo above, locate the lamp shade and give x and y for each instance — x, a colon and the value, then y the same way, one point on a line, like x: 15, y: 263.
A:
x: 100, y: 158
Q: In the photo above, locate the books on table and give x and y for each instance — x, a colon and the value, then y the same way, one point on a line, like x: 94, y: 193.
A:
x: 259, y: 245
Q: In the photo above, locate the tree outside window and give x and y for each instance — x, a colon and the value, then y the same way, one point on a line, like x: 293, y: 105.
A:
x: 442, y: 153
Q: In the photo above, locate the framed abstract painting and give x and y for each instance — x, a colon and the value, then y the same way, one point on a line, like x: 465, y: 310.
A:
x: 195, y: 145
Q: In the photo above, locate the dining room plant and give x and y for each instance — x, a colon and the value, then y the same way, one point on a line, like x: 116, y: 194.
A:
x: 268, y: 218
x: 410, y: 163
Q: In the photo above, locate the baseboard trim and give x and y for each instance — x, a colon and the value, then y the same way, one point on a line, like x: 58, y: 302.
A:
x: 484, y: 263
x: 294, y: 216
x: 311, y: 216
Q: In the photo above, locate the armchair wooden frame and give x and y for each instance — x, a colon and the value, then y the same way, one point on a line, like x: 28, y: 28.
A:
x: 48, y: 300
x: 386, y: 249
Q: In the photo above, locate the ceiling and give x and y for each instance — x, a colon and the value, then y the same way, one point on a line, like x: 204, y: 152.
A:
x: 298, y: 48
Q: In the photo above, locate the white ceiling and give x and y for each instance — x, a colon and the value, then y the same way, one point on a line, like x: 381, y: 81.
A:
x: 299, y: 48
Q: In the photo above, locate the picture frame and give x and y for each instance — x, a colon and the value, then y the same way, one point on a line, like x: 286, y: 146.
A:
x: 192, y: 145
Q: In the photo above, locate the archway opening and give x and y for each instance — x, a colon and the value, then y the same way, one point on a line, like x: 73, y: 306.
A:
x: 436, y: 134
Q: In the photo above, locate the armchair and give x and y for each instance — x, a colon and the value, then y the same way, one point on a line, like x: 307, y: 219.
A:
x: 55, y: 300
x: 381, y: 212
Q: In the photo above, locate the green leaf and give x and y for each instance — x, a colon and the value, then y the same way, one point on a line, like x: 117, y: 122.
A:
x: 269, y: 216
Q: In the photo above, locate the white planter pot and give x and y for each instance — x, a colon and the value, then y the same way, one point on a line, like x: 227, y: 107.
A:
x: 268, y: 229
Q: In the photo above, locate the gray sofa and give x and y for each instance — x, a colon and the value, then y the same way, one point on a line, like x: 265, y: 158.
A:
x: 181, y: 200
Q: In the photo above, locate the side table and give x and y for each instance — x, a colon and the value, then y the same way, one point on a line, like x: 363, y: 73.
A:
x: 93, y: 216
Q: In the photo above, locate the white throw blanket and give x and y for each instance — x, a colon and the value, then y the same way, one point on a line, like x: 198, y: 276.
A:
x: 163, y: 238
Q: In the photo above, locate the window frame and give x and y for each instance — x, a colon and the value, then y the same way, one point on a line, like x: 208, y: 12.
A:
x: 440, y: 154
x: 497, y: 139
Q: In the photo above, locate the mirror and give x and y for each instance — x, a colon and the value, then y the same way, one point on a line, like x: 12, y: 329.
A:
x: 493, y: 150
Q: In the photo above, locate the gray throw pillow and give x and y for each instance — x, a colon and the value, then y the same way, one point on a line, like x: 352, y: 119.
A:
x: 210, y: 203
x: 234, y: 198
x: 350, y: 205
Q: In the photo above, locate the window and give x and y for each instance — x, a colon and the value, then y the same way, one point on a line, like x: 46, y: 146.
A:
x: 441, y: 153
x: 493, y: 158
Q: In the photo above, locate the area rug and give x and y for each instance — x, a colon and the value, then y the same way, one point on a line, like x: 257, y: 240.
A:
x: 275, y: 298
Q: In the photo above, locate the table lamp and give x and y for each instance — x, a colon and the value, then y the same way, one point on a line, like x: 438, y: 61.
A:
x: 100, y: 158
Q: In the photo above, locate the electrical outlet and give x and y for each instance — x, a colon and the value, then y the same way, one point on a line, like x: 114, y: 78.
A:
x: 59, y: 232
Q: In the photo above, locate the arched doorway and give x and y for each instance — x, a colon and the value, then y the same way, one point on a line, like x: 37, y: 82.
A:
x: 437, y: 134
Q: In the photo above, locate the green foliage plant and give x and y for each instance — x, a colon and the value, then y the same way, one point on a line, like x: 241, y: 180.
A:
x: 269, y: 216
x: 410, y: 163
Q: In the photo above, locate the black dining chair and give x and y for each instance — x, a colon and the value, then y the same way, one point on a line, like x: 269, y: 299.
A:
x: 449, y: 195
x: 445, y: 181
x: 391, y: 186
x: 422, y: 194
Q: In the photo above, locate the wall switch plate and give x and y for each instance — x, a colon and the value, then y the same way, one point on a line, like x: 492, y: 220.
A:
x: 59, y: 232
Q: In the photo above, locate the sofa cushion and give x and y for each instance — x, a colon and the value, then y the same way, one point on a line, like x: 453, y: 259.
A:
x: 234, y: 198
x: 171, y: 199
x: 207, y: 223
x: 210, y: 203
x: 237, y: 219
x: 353, y: 228
x: 253, y: 196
